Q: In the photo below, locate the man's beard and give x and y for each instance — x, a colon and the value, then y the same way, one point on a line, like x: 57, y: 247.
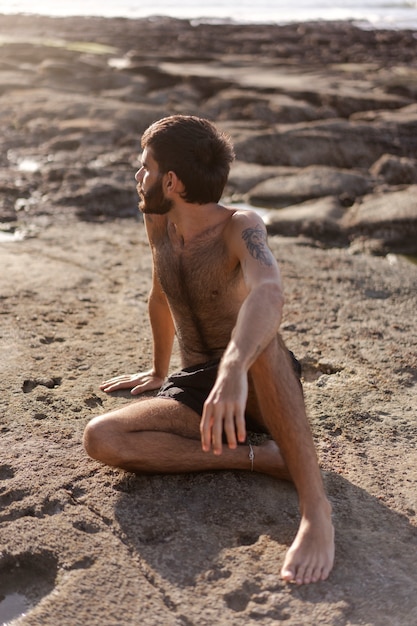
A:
x: 153, y: 201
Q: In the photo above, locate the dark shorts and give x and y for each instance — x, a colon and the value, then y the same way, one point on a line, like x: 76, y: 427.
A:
x: 192, y: 385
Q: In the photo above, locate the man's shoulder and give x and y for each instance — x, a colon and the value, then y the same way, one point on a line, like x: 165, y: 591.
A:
x: 243, y: 219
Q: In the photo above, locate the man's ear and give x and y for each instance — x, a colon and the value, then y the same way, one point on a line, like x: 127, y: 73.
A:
x: 172, y: 183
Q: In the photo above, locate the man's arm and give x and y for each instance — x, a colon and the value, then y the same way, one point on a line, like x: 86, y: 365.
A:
x: 163, y: 333
x: 163, y: 330
x: 257, y: 324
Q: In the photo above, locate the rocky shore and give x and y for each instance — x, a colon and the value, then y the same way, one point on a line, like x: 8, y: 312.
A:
x: 324, y: 121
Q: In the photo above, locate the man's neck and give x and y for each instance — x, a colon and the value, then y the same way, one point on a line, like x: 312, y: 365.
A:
x: 190, y: 220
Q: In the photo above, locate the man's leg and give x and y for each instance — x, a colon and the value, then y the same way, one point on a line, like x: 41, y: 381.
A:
x: 281, y: 403
x: 156, y: 436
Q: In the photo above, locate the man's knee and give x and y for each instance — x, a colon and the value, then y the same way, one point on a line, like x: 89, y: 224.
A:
x: 271, y: 356
x: 96, y: 439
x: 276, y: 362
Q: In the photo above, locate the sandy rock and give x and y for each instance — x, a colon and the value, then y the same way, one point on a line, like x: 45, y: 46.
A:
x: 390, y: 217
x: 376, y: 223
x: 233, y: 104
x: 96, y: 197
x: 93, y: 545
x: 307, y: 183
x: 337, y: 143
x: 9, y: 80
x: 315, y: 218
x: 395, y: 170
x: 405, y: 117
x: 244, y: 176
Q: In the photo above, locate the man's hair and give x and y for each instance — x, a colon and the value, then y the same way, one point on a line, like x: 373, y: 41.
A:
x: 198, y: 153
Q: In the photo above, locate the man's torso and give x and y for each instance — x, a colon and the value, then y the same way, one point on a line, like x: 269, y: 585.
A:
x: 203, y: 283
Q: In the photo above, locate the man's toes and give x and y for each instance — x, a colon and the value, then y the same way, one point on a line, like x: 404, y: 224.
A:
x: 289, y: 572
x: 316, y: 575
x: 294, y: 574
x: 324, y: 574
x: 303, y: 575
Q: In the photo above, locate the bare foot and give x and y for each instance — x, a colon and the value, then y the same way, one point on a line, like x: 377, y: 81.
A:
x: 268, y: 460
x: 310, y: 558
x: 311, y: 555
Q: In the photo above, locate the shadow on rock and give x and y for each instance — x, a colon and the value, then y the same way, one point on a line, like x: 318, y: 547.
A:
x: 187, y: 528
x: 180, y: 524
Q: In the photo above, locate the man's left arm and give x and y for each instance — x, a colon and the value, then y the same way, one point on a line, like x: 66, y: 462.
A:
x: 257, y: 324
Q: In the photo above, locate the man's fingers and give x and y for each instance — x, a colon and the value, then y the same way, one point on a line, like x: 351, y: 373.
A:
x: 109, y: 386
x: 240, y: 423
x: 138, y: 383
x: 115, y: 383
x: 117, y: 380
x: 218, y: 419
x: 217, y: 429
x: 149, y: 385
x: 205, y: 428
x: 230, y: 427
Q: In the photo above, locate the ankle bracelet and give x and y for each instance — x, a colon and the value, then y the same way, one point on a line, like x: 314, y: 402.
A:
x: 251, y: 456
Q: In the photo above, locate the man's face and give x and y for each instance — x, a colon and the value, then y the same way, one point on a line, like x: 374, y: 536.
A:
x: 150, y: 187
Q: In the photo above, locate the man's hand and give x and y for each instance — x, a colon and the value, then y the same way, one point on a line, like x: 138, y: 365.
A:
x: 224, y: 411
x: 138, y: 383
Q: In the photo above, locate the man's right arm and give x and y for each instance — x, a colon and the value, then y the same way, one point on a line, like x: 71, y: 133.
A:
x: 163, y: 332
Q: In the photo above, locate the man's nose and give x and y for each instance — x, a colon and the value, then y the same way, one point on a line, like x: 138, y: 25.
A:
x: 138, y: 175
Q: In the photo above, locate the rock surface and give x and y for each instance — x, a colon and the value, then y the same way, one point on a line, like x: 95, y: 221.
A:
x: 330, y: 104
x: 82, y: 544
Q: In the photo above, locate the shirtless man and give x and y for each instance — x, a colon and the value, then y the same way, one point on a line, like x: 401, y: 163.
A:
x: 216, y: 285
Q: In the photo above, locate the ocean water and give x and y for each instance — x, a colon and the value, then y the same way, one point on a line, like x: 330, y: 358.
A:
x: 365, y: 13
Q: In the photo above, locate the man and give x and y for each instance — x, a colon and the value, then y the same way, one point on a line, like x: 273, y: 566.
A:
x: 216, y: 285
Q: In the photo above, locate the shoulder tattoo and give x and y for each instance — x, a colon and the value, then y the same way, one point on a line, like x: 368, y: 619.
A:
x: 255, y: 239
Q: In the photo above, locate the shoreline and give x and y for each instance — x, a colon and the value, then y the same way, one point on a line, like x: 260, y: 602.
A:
x: 351, y: 22
x: 361, y: 22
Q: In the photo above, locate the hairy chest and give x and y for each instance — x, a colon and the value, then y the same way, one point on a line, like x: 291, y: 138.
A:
x: 200, y: 276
